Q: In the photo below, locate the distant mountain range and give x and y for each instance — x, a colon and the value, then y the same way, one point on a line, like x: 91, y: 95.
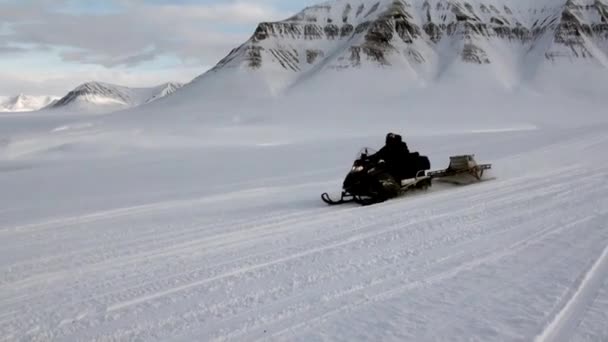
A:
x: 98, y: 96
x: 25, y: 103
x: 90, y: 97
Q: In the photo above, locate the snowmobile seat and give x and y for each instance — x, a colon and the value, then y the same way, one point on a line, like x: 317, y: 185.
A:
x: 424, y: 163
x: 415, y: 164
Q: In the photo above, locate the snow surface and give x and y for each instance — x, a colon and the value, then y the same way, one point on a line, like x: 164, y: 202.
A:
x: 198, y: 216
x: 125, y: 229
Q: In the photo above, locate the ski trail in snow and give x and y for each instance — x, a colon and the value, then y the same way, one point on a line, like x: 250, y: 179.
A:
x: 325, y: 219
x: 135, y: 210
x: 351, y: 240
x: 571, y: 314
x: 432, y: 279
x: 514, y: 192
x: 504, y: 258
x: 387, y: 287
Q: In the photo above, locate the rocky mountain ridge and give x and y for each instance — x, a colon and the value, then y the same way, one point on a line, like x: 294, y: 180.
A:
x: 345, y: 34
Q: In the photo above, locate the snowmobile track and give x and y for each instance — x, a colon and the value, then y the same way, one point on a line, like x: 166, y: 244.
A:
x: 577, y: 301
x: 441, y: 276
x: 289, y: 272
x: 363, y: 300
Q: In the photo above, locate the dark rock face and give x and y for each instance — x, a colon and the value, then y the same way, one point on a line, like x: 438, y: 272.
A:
x: 373, y: 31
x: 573, y: 30
x: 474, y: 54
x: 380, y: 33
x: 254, y: 56
x: 312, y: 55
x: 360, y: 9
x: 355, y: 55
x: 287, y: 59
x: 346, y: 31
x: 433, y: 31
x: 331, y: 31
x: 346, y: 13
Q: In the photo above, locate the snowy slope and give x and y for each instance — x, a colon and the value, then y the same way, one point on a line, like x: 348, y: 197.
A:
x: 25, y: 103
x: 104, y: 97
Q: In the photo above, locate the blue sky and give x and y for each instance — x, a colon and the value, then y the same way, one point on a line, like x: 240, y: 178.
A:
x: 51, y: 46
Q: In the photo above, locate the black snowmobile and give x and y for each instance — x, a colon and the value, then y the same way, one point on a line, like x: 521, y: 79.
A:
x: 371, y: 182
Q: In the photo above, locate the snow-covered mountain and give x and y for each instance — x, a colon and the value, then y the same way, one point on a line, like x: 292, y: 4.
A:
x: 163, y: 90
x: 25, y: 103
x: 98, y: 96
x: 417, y: 42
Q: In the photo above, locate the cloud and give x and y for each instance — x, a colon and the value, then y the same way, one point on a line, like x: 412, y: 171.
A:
x: 124, y: 37
x: 83, y: 56
x: 11, y: 50
x: 230, y: 13
x: 58, y: 83
x: 120, y: 41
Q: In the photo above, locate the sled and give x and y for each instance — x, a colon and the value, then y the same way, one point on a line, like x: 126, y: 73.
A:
x: 463, y: 170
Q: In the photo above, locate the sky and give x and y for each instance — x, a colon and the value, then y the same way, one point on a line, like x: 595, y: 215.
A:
x: 48, y: 47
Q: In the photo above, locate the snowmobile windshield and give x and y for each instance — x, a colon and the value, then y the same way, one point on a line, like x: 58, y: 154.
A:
x: 365, y: 152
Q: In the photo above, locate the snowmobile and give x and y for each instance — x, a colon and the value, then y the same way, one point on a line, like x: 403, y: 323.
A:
x: 370, y: 182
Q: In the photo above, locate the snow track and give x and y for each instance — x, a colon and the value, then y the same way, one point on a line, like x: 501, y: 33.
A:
x: 521, y: 257
x: 569, y: 317
x: 290, y: 274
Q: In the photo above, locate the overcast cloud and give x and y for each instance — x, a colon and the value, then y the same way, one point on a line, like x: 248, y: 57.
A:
x: 58, y: 44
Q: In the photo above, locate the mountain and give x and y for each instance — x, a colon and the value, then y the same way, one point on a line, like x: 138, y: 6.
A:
x: 416, y: 43
x: 104, y: 97
x: 25, y: 103
x: 164, y: 90
x: 395, y: 62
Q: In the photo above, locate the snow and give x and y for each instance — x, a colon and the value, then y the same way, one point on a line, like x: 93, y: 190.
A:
x: 101, y: 98
x: 24, y: 103
x: 198, y: 216
x: 121, y: 232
